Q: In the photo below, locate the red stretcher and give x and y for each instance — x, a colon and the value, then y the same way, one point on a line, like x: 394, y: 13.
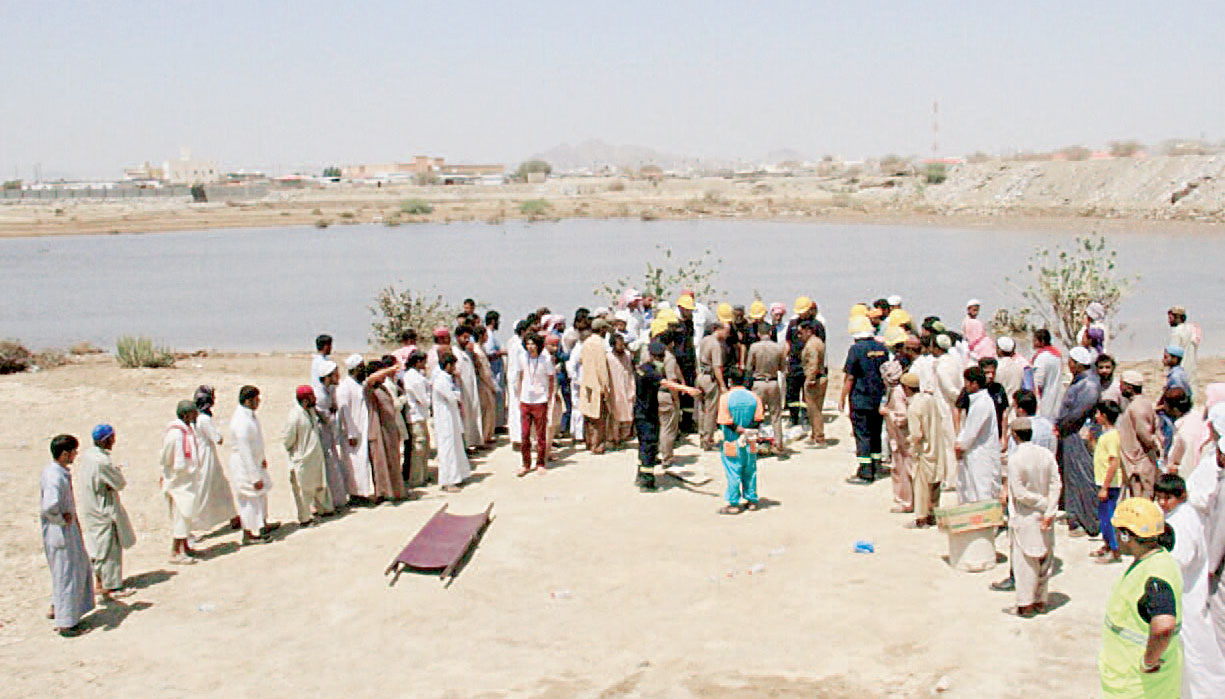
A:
x: 441, y: 544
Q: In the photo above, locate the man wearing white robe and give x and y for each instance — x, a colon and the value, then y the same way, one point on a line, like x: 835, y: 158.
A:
x: 453, y: 466
x: 468, y: 388
x: 1203, y: 675
x: 978, y: 444
x: 949, y: 382
x: 417, y: 392
x: 514, y: 350
x: 304, y: 445
x: 72, y: 586
x: 354, y: 417
x: 334, y: 473
x: 104, y: 521
x: 180, y: 459
x: 1033, y: 501
x: 1187, y: 336
x: 215, y: 502
x: 249, y: 467
x: 1048, y: 374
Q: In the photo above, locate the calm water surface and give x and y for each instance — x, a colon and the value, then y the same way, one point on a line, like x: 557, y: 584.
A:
x: 275, y: 289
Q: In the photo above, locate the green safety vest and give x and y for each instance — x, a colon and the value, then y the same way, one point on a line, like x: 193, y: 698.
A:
x: 1125, y: 635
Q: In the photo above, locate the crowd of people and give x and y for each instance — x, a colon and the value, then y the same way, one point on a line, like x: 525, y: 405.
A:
x: 933, y: 406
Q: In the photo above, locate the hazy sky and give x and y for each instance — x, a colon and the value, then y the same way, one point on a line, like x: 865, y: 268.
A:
x: 89, y: 87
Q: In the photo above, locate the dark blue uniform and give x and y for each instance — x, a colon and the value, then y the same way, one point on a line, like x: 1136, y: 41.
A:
x: 646, y: 421
x: 863, y: 362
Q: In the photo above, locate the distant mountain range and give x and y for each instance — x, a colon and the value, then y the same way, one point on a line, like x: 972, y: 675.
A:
x: 594, y: 154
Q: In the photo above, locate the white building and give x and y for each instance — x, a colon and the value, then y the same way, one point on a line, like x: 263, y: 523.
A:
x: 187, y: 170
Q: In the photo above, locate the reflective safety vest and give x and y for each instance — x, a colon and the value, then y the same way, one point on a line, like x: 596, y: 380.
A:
x: 1125, y: 634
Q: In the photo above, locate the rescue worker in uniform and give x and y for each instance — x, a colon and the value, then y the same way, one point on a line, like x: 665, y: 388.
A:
x: 687, y: 358
x: 712, y: 362
x: 805, y: 310
x: 865, y: 388
x: 764, y: 364
x: 649, y: 381
x: 1141, y: 652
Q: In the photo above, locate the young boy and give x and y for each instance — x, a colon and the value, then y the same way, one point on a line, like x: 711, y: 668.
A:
x: 1108, y: 476
x: 649, y: 378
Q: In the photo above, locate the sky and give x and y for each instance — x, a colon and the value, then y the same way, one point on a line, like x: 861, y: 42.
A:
x: 91, y: 87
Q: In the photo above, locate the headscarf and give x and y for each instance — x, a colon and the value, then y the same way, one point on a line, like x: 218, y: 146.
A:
x: 1214, y: 394
x: 1096, y: 311
x: 101, y: 432
x: 303, y: 391
x: 980, y: 343
x: 205, y: 398
x: 892, y: 372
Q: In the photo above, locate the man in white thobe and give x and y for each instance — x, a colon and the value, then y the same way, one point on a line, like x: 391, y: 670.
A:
x: 1033, y: 500
x: 1048, y: 374
x: 1186, y: 336
x: 249, y: 468
x: 1203, y: 675
x: 334, y: 471
x: 104, y: 521
x: 453, y: 466
x: 304, y: 444
x: 180, y: 477
x: 514, y: 350
x: 72, y: 586
x: 978, y: 444
x: 354, y: 417
x: 468, y: 387
x: 948, y: 384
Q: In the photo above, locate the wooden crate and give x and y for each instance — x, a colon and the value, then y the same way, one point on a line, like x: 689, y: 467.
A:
x: 971, y: 516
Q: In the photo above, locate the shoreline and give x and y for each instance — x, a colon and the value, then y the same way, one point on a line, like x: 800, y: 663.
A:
x: 969, y: 199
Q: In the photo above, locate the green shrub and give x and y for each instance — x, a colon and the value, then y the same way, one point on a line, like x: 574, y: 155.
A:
x: 138, y: 351
x: 534, y: 208
x: 935, y: 173
x: 396, y: 310
x: 50, y: 358
x: 14, y: 357
x: 416, y: 207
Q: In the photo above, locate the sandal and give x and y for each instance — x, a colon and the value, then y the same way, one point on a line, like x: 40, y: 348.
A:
x: 730, y: 510
x: 182, y: 560
x: 522, y: 472
x: 752, y: 506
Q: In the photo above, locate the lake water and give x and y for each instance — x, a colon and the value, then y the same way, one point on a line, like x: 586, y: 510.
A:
x: 275, y: 289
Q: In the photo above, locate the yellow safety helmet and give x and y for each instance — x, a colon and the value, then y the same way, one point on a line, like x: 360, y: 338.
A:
x: 686, y: 302
x: 859, y: 310
x: 860, y: 326
x: 894, y: 336
x: 668, y: 315
x: 1140, y: 516
x: 757, y: 310
x: 899, y: 317
x: 724, y: 312
x: 802, y: 304
x: 658, y: 326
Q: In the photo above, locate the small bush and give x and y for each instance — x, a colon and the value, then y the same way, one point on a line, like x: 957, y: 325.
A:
x: 50, y: 358
x: 316, y: 211
x: 347, y: 215
x: 616, y: 186
x: 396, y: 310
x: 935, y: 173
x: 416, y: 207
x: 322, y: 223
x: 534, y: 208
x: 84, y: 347
x: 14, y: 357
x: 134, y: 351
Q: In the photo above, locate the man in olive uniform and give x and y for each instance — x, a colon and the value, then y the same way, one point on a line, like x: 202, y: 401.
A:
x: 816, y: 381
x: 865, y: 387
x: 712, y: 360
x: 764, y: 364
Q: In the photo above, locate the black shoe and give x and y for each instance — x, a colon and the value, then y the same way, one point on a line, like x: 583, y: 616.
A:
x: 646, y: 483
x: 1006, y: 585
x: 859, y: 480
x: 73, y: 631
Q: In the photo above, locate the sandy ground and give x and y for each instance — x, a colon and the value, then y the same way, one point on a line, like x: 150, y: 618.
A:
x: 1106, y: 195
x: 582, y: 586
